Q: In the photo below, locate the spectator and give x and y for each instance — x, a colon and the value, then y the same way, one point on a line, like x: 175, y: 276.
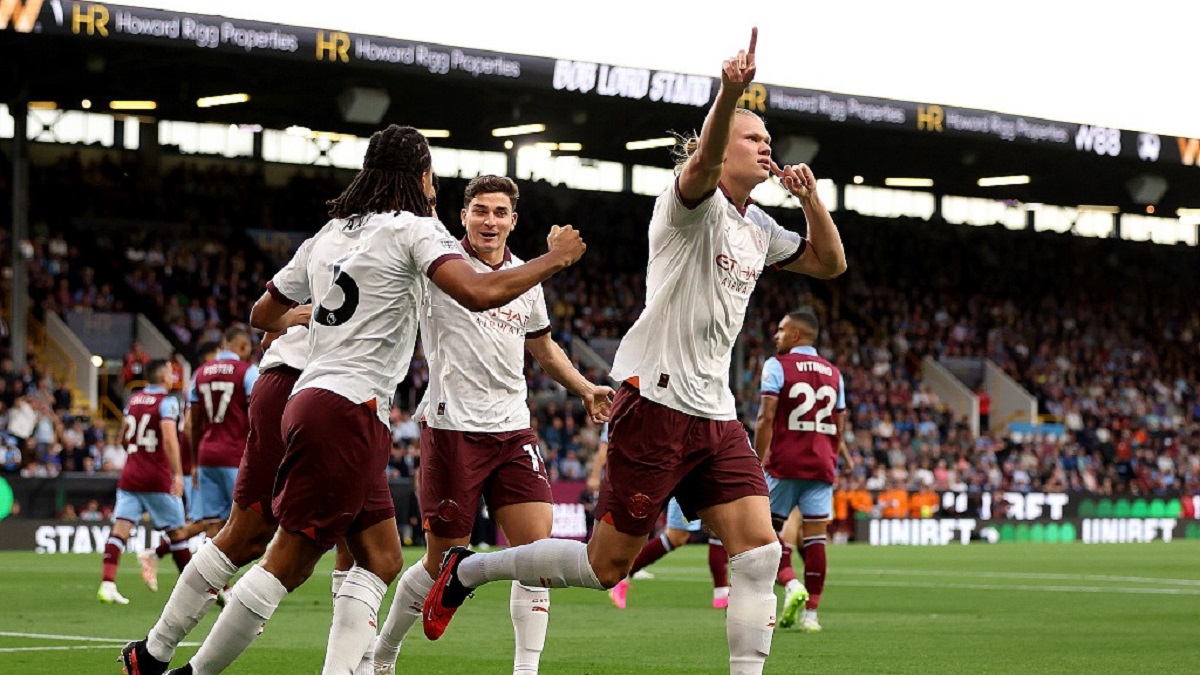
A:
x: 136, y: 360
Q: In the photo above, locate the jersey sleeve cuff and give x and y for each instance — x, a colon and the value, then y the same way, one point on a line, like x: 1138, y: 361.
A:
x: 279, y: 296
x: 772, y: 394
x: 433, y: 266
x: 691, y: 204
x: 793, y: 257
x: 534, y: 334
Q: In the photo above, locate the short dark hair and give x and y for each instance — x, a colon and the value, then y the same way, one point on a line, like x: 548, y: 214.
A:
x: 390, y: 179
x: 207, y: 348
x: 153, y: 368
x: 234, y: 332
x: 807, y: 317
x: 486, y: 184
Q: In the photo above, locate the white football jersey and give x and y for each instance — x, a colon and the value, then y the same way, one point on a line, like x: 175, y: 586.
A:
x: 289, y: 349
x: 477, y: 359
x: 367, y: 277
x: 704, y: 263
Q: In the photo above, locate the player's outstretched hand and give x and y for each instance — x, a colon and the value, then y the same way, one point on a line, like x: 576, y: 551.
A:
x: 738, y: 71
x: 566, y: 242
x: 797, y: 179
x: 598, y: 403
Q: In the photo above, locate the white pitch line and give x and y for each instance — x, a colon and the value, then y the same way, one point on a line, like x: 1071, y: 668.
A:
x: 1049, y: 576
x: 48, y: 636
x: 70, y: 638
x: 1023, y: 587
x: 10, y: 650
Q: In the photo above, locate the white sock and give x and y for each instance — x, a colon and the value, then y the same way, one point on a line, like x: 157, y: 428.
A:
x: 336, y: 578
x: 793, y: 586
x: 530, y: 612
x: 720, y: 592
x: 406, y: 608
x: 355, y: 611
x: 254, y: 600
x: 206, y: 573
x: 549, y: 563
x: 750, y: 619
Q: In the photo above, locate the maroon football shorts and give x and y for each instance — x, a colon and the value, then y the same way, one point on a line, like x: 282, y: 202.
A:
x: 457, y: 467
x: 332, y: 479
x: 655, y: 451
x: 264, y: 445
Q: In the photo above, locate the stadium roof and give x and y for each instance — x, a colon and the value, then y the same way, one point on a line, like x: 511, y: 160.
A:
x: 295, y: 76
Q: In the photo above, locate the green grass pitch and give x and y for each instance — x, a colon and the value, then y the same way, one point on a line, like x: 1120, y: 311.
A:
x: 1008, y: 608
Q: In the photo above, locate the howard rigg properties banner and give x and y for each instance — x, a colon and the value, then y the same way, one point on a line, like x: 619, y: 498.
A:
x: 104, y: 21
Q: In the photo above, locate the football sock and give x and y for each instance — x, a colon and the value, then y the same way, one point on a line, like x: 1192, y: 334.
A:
x: 550, y: 563
x: 750, y: 619
x: 180, y: 553
x: 814, y: 569
x: 194, y: 593
x: 336, y: 578
x: 651, y: 552
x: 254, y: 600
x: 718, y: 564
x: 786, y: 574
x: 112, y: 557
x: 406, y: 609
x: 355, y: 613
x: 530, y: 612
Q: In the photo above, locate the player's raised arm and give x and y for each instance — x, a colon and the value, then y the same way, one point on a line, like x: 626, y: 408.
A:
x: 703, y: 170
x: 478, y: 291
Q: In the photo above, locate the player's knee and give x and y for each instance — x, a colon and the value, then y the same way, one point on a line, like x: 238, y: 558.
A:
x: 678, y: 538
x: 388, y: 570
x: 609, y: 576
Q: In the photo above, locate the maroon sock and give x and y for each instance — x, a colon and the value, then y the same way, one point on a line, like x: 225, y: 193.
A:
x: 112, y: 557
x: 814, y: 569
x: 718, y: 564
x: 181, y: 554
x: 651, y: 552
x: 164, y: 547
x: 786, y: 574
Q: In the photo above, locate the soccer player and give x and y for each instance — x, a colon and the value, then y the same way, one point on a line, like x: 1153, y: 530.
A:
x: 219, y: 422
x: 674, y: 421
x: 191, y: 493
x: 366, y: 271
x: 799, y: 435
x: 476, y: 439
x: 152, y: 478
x: 251, y: 525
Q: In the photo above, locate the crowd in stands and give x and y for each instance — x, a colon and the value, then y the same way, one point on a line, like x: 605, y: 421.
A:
x: 1101, y: 332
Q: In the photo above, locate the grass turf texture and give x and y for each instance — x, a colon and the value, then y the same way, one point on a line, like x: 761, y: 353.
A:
x: 1008, y: 608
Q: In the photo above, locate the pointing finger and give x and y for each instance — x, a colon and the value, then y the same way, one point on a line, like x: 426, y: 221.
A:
x: 753, y: 39
x: 775, y: 169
